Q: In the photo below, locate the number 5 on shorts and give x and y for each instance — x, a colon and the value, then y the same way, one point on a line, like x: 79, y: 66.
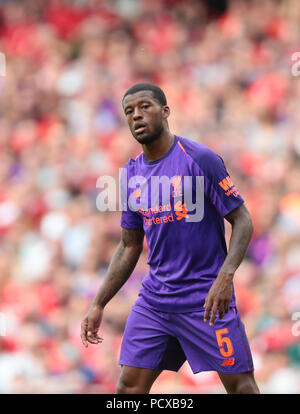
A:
x: 224, y: 340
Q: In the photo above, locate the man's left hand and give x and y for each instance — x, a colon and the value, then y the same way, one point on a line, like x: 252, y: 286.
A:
x: 219, y: 297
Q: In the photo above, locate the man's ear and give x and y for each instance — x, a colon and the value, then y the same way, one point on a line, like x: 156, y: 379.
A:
x: 166, y: 111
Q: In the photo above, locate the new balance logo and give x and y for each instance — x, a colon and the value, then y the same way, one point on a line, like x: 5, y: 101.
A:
x: 228, y: 362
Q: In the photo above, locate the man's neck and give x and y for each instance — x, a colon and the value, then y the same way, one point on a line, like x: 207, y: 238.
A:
x: 159, y: 147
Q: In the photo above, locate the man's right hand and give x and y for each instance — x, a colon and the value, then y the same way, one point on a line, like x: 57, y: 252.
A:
x: 90, y: 326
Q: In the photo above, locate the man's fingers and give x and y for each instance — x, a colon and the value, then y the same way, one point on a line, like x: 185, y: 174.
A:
x: 227, y: 307
x: 88, y: 334
x: 221, y: 310
x: 214, y: 307
x: 207, y: 307
x: 213, y: 313
x: 83, y: 333
x: 84, y: 341
x: 93, y: 337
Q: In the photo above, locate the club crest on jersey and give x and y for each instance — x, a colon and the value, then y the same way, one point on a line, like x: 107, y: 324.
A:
x: 176, y: 184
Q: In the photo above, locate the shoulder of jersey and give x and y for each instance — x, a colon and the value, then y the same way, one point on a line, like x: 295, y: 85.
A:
x: 195, y: 149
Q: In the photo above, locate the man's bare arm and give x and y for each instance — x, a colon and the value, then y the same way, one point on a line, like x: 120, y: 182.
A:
x: 219, y: 295
x: 242, y: 229
x: 121, y: 266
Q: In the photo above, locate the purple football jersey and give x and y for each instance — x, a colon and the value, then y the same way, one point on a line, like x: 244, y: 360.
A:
x: 184, y: 254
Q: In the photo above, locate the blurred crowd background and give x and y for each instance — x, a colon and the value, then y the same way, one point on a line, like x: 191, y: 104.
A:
x: 226, y: 70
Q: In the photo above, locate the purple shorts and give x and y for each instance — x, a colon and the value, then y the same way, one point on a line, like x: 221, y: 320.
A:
x: 159, y: 340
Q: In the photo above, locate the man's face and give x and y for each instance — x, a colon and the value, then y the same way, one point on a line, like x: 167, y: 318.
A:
x: 145, y: 116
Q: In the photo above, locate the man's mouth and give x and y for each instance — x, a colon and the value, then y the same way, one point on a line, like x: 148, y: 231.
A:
x: 138, y: 129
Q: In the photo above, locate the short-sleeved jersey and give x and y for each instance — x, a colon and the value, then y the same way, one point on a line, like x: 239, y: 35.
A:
x: 184, y: 254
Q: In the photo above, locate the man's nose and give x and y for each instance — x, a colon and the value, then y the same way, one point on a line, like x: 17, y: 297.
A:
x: 137, y: 114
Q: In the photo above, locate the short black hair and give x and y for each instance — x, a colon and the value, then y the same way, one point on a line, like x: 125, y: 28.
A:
x: 157, y: 92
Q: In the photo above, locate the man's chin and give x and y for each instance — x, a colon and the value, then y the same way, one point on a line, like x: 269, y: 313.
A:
x: 145, y: 139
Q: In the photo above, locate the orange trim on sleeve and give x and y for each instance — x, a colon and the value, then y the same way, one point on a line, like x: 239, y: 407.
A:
x: 179, y: 143
x: 138, y: 155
